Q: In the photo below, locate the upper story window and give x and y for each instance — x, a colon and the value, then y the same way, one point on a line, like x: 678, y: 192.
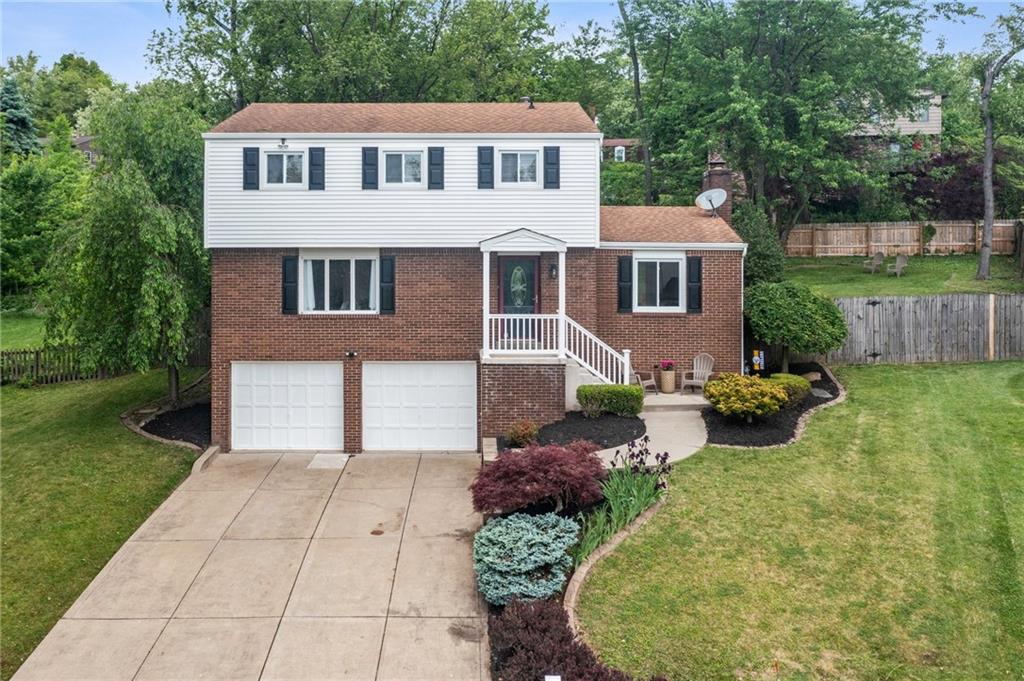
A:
x: 658, y: 284
x: 895, y: 148
x: 519, y: 167
x: 620, y: 154
x: 284, y: 169
x: 403, y: 168
x: 922, y: 115
x: 339, y: 283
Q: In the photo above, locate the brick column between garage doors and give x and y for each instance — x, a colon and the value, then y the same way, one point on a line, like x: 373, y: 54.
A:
x: 510, y: 392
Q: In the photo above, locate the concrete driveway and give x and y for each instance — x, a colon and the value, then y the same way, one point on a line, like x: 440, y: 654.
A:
x: 270, y: 566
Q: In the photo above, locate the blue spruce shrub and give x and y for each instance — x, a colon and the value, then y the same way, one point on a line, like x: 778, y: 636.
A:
x: 523, y: 556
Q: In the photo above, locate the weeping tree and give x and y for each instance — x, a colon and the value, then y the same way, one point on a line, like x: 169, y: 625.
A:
x: 126, y: 283
x: 792, y: 316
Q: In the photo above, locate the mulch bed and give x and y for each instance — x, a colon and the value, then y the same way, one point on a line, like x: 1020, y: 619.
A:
x: 605, y: 431
x: 190, y: 424
x: 770, y: 430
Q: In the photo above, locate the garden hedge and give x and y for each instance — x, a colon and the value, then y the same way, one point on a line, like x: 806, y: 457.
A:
x: 621, y: 400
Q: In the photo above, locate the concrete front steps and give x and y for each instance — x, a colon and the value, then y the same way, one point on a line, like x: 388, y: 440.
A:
x: 675, y: 402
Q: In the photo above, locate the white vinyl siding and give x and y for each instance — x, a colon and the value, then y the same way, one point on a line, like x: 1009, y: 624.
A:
x: 286, y: 405
x: 345, y: 215
x: 419, y: 405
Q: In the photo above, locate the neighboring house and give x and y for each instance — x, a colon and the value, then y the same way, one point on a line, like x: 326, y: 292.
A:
x: 924, y: 128
x: 81, y: 142
x: 419, y: 276
x: 622, y: 149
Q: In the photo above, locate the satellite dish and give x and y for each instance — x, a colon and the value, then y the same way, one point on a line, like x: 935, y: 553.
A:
x: 712, y: 199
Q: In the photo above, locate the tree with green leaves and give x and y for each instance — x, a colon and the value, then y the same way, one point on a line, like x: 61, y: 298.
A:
x: 765, y: 257
x: 129, y: 279
x: 40, y: 196
x: 777, y: 87
x: 61, y: 90
x: 19, y: 132
x: 1001, y: 47
x: 792, y: 316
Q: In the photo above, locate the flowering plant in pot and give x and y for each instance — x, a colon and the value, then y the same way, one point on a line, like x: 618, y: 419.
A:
x: 668, y: 375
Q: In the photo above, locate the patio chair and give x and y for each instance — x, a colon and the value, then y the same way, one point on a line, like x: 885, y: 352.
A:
x: 901, y: 264
x: 875, y: 264
x: 703, y: 364
x: 645, y: 379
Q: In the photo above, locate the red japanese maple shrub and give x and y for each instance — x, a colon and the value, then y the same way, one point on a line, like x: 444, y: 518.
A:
x: 566, y: 476
x: 530, y: 639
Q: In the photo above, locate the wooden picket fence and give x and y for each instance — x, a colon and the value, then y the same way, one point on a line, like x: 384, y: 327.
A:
x: 893, y: 238
x: 956, y: 327
x: 61, y: 364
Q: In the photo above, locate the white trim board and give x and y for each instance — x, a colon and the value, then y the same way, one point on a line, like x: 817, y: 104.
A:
x: 665, y: 245
x: 400, y: 135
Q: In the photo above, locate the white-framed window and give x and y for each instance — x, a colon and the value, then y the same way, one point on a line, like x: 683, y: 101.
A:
x: 519, y: 168
x: 403, y: 168
x: 339, y: 282
x: 895, y: 148
x: 620, y: 154
x: 922, y: 115
x: 284, y: 169
x: 658, y: 282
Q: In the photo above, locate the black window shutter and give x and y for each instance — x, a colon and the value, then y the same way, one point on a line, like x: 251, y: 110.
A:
x: 485, y: 167
x: 290, y: 284
x: 316, y: 167
x: 694, y: 277
x: 551, y: 167
x: 251, y: 168
x: 369, y: 167
x: 387, y: 284
x: 435, y: 168
x: 625, y: 283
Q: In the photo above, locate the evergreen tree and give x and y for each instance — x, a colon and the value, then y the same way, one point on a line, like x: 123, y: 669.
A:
x: 19, y: 134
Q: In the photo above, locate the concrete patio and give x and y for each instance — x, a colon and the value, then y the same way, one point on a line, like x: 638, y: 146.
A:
x: 271, y: 566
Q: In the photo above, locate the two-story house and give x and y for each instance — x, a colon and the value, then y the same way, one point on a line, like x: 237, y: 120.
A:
x: 418, y: 276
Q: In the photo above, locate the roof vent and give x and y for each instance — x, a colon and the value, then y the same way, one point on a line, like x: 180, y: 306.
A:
x: 527, y: 100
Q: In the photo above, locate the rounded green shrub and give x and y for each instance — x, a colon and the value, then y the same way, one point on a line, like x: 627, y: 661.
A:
x: 621, y: 400
x: 523, y: 556
x: 796, y: 387
x: 792, y: 316
x: 744, y: 396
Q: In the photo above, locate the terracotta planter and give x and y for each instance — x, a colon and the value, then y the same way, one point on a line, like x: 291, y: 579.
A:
x: 668, y: 380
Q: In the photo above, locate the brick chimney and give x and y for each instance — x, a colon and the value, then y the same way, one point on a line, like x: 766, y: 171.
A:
x: 718, y: 176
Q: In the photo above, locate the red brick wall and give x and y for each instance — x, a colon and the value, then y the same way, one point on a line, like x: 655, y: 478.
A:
x: 653, y: 336
x: 509, y: 392
x: 438, y: 308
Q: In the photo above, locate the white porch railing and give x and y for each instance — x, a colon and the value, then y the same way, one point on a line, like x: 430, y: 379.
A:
x: 557, y: 336
x: 524, y: 333
x: 595, y: 355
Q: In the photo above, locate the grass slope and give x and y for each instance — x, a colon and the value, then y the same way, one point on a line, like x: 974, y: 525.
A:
x: 886, y: 544
x: 76, y: 484
x: 21, y: 330
x: 835, y: 277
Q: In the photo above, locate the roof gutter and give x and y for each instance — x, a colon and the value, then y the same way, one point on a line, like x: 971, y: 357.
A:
x: 670, y: 245
x: 398, y: 135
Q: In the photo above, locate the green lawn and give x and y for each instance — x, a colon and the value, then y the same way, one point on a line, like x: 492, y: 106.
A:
x: 21, y: 330
x: 887, y: 544
x: 835, y: 277
x: 75, y: 484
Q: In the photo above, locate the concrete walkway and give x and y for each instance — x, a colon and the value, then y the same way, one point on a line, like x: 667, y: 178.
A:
x: 270, y: 566
x: 674, y: 425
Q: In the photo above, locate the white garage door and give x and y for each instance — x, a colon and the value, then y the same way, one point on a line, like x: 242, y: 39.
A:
x: 419, y: 405
x: 286, y: 405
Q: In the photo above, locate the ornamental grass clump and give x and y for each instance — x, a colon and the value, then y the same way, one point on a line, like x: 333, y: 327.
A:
x: 523, y: 556
x: 555, y: 476
x: 744, y: 396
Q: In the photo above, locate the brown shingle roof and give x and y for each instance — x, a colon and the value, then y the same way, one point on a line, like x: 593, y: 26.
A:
x: 564, y: 117
x: 620, y: 142
x: 664, y: 224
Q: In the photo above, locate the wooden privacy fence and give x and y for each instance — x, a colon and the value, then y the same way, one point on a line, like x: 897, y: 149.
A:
x: 893, y: 238
x: 956, y: 327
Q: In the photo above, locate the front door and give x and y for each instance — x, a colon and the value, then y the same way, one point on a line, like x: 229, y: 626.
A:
x: 518, y: 284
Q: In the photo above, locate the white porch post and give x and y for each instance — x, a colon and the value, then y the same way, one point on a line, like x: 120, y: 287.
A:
x: 561, y: 303
x: 487, y: 304
x: 627, y: 371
